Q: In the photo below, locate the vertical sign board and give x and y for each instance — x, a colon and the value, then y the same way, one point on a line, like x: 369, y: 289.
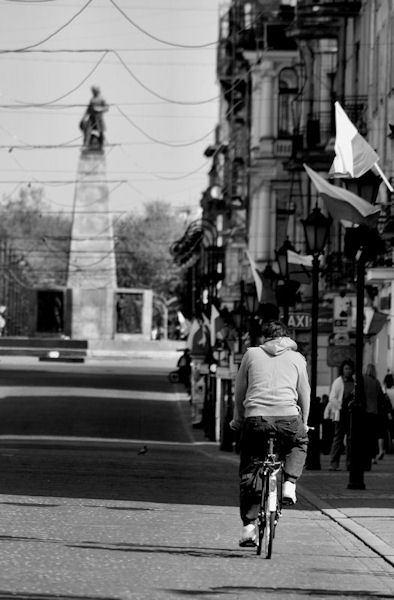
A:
x: 344, y: 307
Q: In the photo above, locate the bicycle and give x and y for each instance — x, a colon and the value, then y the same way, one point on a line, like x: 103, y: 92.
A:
x: 181, y: 374
x: 271, y: 472
x: 270, y: 510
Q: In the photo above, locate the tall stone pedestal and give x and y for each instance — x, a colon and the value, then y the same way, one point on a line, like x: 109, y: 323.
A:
x: 92, y: 266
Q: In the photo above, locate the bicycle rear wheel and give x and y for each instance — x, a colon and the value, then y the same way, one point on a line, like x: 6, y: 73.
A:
x: 269, y: 532
x: 265, y: 522
x: 261, y: 519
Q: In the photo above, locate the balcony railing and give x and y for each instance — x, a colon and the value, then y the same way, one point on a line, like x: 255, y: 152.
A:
x: 252, y: 27
x: 327, y: 8
x: 319, y: 128
x: 315, y: 19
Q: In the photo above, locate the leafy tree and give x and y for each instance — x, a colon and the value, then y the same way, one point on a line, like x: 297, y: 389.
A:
x: 39, y: 238
x: 143, y: 249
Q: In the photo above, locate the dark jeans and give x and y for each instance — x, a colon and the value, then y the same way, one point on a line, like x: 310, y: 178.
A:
x: 293, y: 438
x: 341, y: 430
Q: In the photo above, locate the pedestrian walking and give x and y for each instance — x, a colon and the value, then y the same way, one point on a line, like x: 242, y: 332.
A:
x: 3, y: 321
x: 185, y: 369
x: 272, y: 393
x: 327, y: 427
x: 337, y: 410
x: 384, y: 423
x: 374, y: 398
x: 389, y: 391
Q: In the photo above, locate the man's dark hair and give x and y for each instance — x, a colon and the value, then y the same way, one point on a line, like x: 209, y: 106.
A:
x: 274, y: 329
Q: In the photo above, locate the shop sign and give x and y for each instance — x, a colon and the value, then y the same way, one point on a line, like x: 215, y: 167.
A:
x: 344, y: 307
x: 299, y: 320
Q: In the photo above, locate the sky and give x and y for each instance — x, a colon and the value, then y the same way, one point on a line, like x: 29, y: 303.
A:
x: 155, y: 63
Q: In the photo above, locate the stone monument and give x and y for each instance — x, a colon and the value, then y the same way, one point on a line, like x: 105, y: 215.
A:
x: 92, y: 266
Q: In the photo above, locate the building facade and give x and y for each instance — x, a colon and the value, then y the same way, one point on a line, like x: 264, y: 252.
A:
x: 281, y: 66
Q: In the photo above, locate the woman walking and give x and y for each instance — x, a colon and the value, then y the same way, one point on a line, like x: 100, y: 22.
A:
x: 337, y: 410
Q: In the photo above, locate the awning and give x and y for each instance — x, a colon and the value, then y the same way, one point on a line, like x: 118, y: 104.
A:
x: 377, y: 323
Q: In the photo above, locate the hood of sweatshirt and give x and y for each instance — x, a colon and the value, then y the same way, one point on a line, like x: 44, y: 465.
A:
x: 279, y: 345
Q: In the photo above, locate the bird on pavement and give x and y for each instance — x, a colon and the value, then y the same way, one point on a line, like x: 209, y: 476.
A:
x: 143, y: 450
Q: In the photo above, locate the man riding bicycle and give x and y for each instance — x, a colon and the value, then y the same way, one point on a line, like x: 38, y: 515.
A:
x: 272, y: 393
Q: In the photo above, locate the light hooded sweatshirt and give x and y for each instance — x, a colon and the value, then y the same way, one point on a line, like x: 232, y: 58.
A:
x: 272, y: 380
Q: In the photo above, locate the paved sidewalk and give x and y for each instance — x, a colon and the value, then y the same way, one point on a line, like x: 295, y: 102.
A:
x: 368, y: 514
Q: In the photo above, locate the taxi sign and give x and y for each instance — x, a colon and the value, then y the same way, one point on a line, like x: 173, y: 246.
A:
x: 300, y: 320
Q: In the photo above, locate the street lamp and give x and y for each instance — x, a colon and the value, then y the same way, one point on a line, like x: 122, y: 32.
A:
x: 245, y: 310
x: 316, y: 229
x: 366, y: 187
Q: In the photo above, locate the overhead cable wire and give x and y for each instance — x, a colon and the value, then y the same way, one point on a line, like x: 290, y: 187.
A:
x: 162, y: 142
x: 127, y: 68
x: 26, y: 146
x: 157, y: 39
x: 145, y: 87
x: 186, y: 175
x: 84, y: 50
x: 52, y: 34
x: 29, y: 1
x: 38, y: 104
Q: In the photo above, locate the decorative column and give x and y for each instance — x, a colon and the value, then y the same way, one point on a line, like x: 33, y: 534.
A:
x: 92, y: 267
x: 263, y: 117
x: 260, y: 226
x: 267, y: 117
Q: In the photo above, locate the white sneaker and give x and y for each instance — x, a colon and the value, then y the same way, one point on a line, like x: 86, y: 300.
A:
x: 289, y: 493
x: 248, y: 535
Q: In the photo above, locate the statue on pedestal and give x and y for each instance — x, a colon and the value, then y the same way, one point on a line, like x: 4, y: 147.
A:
x: 92, y: 123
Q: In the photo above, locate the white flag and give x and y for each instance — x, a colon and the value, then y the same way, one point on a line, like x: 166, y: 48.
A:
x: 257, y: 279
x: 214, y: 315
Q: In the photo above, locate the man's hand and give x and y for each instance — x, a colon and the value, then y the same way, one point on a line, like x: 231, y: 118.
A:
x: 235, y: 425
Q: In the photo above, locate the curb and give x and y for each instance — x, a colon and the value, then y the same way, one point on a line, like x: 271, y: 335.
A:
x: 374, y: 543
x: 364, y: 535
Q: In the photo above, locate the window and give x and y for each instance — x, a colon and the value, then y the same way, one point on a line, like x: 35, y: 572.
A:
x: 288, y: 90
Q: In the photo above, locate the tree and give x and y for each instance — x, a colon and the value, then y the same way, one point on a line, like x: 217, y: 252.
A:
x: 142, y: 245
x: 38, y: 237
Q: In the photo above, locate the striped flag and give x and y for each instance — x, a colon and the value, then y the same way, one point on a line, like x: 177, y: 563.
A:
x: 342, y: 204
x: 299, y: 266
x: 299, y: 259
x: 257, y: 279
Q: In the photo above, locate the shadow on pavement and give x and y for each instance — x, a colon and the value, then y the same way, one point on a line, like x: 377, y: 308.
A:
x: 178, y: 474
x: 281, y: 592
x: 42, y: 596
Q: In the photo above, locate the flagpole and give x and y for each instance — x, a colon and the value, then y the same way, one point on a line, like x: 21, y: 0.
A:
x: 383, y: 176
x: 313, y: 454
